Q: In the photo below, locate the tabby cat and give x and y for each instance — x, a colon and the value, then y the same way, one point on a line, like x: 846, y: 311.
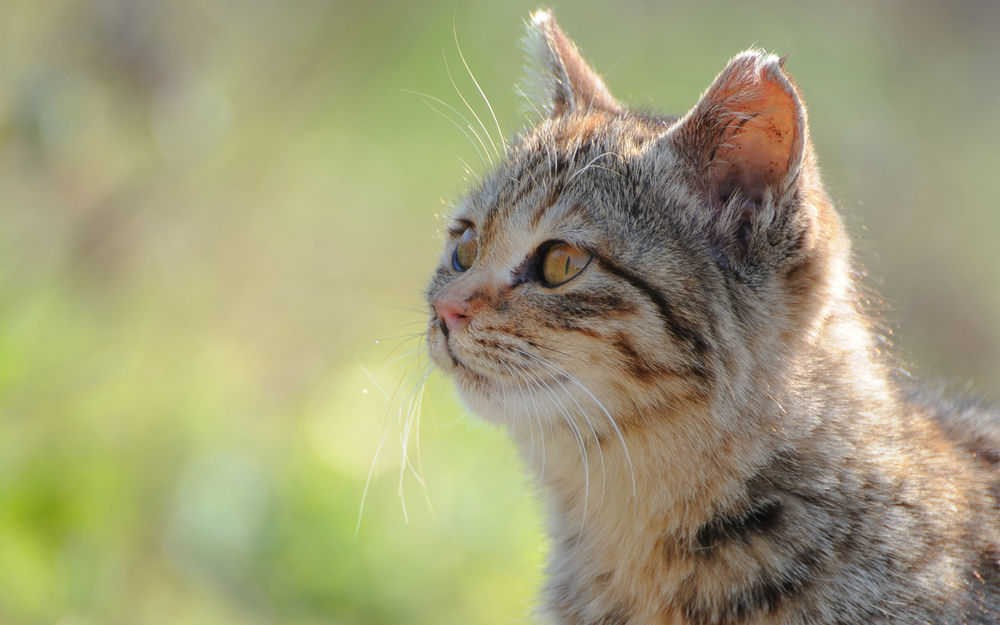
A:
x: 661, y: 310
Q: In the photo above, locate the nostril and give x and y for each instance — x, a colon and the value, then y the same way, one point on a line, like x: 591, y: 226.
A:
x: 450, y: 317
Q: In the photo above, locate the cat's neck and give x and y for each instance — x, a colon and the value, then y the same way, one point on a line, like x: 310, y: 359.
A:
x: 666, y: 473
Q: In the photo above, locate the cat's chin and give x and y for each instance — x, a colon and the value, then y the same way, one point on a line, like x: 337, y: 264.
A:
x: 520, y: 407
x: 479, y: 393
x: 523, y: 402
x: 485, y: 395
x: 453, y: 364
x: 483, y: 405
x: 473, y: 387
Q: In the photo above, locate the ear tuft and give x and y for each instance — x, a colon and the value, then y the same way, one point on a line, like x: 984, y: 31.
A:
x: 748, y: 131
x: 562, y: 79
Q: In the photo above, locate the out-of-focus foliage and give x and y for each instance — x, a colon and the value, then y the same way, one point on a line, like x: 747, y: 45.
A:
x: 211, y: 211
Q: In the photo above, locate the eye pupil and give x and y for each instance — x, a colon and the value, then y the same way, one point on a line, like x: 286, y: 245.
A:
x: 466, y: 251
x: 563, y: 262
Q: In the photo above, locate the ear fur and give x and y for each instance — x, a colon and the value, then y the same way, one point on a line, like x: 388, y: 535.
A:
x: 747, y: 134
x: 567, y: 84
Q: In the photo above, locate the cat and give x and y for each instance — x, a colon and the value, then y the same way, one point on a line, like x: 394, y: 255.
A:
x: 662, y: 312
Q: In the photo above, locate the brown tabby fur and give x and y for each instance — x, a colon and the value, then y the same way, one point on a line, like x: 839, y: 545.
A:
x: 717, y: 436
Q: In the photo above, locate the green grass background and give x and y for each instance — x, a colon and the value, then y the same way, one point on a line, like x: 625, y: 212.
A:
x: 216, y: 220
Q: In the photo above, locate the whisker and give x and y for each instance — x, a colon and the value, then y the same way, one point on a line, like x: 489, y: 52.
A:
x: 454, y: 32
x: 580, y: 442
x: 599, y: 404
x: 403, y: 339
x: 468, y: 170
x: 371, y: 469
x: 372, y: 379
x: 591, y: 164
x: 537, y: 415
x: 486, y: 160
x: 531, y: 430
x: 583, y: 413
x: 447, y: 69
x: 420, y: 311
x: 541, y: 425
x: 404, y: 404
x: 419, y: 473
x: 396, y: 359
x: 414, y: 405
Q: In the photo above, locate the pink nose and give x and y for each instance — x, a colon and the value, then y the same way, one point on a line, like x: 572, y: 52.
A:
x: 452, y: 315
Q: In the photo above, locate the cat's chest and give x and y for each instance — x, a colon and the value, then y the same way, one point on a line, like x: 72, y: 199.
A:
x: 597, y: 576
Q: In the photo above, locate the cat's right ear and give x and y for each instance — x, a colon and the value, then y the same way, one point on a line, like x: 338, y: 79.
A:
x: 559, y: 74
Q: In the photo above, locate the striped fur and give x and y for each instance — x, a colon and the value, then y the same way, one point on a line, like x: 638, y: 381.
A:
x: 704, y: 407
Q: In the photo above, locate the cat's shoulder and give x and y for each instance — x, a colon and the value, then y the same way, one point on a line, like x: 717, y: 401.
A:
x: 970, y: 423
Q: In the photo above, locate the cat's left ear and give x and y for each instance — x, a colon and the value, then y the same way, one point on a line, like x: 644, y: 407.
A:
x: 747, y: 134
x: 566, y: 82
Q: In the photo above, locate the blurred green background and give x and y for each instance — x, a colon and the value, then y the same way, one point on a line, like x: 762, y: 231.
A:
x: 216, y: 220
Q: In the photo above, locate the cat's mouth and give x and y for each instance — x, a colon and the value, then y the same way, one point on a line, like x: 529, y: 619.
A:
x: 448, y: 359
x: 496, y: 370
x: 455, y: 360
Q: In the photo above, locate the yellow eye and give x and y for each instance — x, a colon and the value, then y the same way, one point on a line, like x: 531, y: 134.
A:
x: 562, y: 263
x: 465, y: 253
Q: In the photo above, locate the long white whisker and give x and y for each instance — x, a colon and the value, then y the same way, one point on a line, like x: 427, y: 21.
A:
x: 393, y: 360
x: 403, y: 339
x: 454, y: 32
x: 404, y: 437
x: 580, y: 441
x: 481, y: 150
x: 372, y: 379
x: 406, y: 425
x: 468, y: 169
x: 411, y: 384
x: 484, y: 157
x: 413, y: 416
x: 378, y: 449
x: 418, y: 471
x: 471, y: 110
x: 541, y: 426
x: 583, y: 413
x: 408, y: 335
x: 368, y: 479
x: 531, y: 430
x: 536, y: 415
x: 611, y: 420
x: 591, y: 164
x: 409, y: 309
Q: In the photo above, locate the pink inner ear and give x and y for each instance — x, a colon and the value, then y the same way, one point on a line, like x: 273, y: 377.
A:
x: 757, y: 123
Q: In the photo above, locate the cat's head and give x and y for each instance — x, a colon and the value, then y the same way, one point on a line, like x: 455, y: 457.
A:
x: 624, y: 265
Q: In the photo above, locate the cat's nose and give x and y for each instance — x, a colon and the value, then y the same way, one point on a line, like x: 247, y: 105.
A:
x: 452, y: 315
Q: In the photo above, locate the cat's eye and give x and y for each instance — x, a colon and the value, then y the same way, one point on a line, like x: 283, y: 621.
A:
x: 562, y: 263
x: 465, y: 252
